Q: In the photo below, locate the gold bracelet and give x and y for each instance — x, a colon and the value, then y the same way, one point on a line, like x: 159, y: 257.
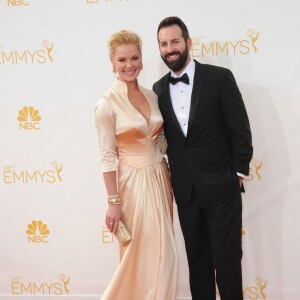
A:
x: 114, y: 200
x: 117, y: 203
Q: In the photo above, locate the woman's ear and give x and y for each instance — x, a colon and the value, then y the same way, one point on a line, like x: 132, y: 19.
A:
x: 111, y: 59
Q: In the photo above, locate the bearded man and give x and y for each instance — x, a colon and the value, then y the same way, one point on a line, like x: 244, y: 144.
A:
x: 209, y: 150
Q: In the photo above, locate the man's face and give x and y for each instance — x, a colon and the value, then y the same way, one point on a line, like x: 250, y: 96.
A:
x: 173, y: 49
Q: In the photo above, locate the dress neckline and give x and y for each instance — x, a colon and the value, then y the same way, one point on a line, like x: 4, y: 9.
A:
x: 122, y: 87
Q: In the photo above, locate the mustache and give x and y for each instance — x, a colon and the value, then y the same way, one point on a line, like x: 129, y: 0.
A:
x: 173, y: 53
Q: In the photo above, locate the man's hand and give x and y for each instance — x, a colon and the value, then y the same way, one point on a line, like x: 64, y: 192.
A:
x: 241, y: 180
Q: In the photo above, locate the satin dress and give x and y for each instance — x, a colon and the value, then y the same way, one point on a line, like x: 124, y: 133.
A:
x: 148, y: 266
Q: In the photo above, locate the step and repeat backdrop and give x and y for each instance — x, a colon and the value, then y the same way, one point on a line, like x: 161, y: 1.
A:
x: 54, y: 65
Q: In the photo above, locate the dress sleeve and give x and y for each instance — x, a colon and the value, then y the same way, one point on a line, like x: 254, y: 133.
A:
x: 106, y: 127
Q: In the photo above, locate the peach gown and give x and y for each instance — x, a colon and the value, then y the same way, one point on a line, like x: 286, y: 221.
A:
x: 148, y: 267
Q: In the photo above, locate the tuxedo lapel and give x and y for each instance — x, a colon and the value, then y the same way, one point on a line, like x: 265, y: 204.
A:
x: 168, y: 104
x: 197, y: 88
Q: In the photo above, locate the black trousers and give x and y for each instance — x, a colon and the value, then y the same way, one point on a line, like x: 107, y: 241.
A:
x: 212, y: 234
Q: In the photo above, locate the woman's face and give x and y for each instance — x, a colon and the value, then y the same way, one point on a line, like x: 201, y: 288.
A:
x: 127, y: 61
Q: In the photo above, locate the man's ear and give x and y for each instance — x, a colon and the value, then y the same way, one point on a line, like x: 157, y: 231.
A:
x: 189, y: 43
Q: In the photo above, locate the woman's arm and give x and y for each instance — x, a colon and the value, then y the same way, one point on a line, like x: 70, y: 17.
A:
x: 106, y: 127
x: 114, y: 211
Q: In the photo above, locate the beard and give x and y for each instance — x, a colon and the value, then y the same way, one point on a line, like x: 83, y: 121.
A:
x: 177, y: 65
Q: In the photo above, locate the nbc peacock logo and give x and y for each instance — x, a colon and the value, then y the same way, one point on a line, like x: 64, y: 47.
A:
x: 17, y: 3
x: 29, y: 118
x: 37, y: 232
x: 202, y: 47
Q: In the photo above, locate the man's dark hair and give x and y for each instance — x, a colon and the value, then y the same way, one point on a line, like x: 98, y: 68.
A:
x: 169, y: 21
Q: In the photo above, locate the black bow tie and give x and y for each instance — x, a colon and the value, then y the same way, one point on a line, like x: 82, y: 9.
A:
x: 184, y: 78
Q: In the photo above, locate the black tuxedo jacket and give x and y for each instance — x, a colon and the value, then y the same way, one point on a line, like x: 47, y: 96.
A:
x: 218, y: 142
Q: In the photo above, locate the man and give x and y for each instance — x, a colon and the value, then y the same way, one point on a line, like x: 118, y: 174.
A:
x: 209, y: 150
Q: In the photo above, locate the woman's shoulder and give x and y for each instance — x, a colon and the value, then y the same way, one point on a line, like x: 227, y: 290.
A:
x: 104, y: 102
x: 108, y: 94
x: 106, y: 97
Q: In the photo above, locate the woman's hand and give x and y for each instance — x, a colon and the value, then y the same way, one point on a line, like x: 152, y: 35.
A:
x: 113, y: 216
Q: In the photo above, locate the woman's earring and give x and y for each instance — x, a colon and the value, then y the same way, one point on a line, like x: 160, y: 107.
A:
x: 142, y: 66
x: 114, y: 69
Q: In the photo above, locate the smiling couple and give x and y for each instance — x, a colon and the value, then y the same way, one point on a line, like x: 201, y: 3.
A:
x: 200, y: 112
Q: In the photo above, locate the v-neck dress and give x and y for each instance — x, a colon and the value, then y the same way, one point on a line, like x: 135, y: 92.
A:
x: 148, y: 267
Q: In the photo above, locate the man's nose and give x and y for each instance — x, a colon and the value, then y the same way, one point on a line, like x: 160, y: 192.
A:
x: 170, y: 48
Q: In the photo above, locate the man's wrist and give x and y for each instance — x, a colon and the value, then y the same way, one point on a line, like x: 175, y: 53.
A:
x: 241, y: 175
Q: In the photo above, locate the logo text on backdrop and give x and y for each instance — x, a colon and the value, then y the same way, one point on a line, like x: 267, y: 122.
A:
x: 37, y: 232
x: 21, y: 287
x: 246, y: 45
x: 11, y: 175
x: 33, y: 56
x: 29, y: 118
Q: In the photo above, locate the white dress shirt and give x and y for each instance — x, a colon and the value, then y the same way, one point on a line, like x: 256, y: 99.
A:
x: 181, y: 95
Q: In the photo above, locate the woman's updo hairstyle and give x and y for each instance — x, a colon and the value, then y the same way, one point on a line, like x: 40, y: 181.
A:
x: 123, y: 37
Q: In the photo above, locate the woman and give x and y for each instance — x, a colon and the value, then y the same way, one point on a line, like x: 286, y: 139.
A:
x: 128, y: 119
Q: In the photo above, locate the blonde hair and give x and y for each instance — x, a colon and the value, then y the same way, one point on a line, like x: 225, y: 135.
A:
x: 123, y: 37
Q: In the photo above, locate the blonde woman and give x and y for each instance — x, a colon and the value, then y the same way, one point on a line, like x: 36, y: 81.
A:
x: 137, y: 179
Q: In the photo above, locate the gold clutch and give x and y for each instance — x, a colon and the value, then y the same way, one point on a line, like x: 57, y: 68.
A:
x: 123, y: 235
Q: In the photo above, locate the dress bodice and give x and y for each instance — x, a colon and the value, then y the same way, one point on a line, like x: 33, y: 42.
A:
x: 121, y: 127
